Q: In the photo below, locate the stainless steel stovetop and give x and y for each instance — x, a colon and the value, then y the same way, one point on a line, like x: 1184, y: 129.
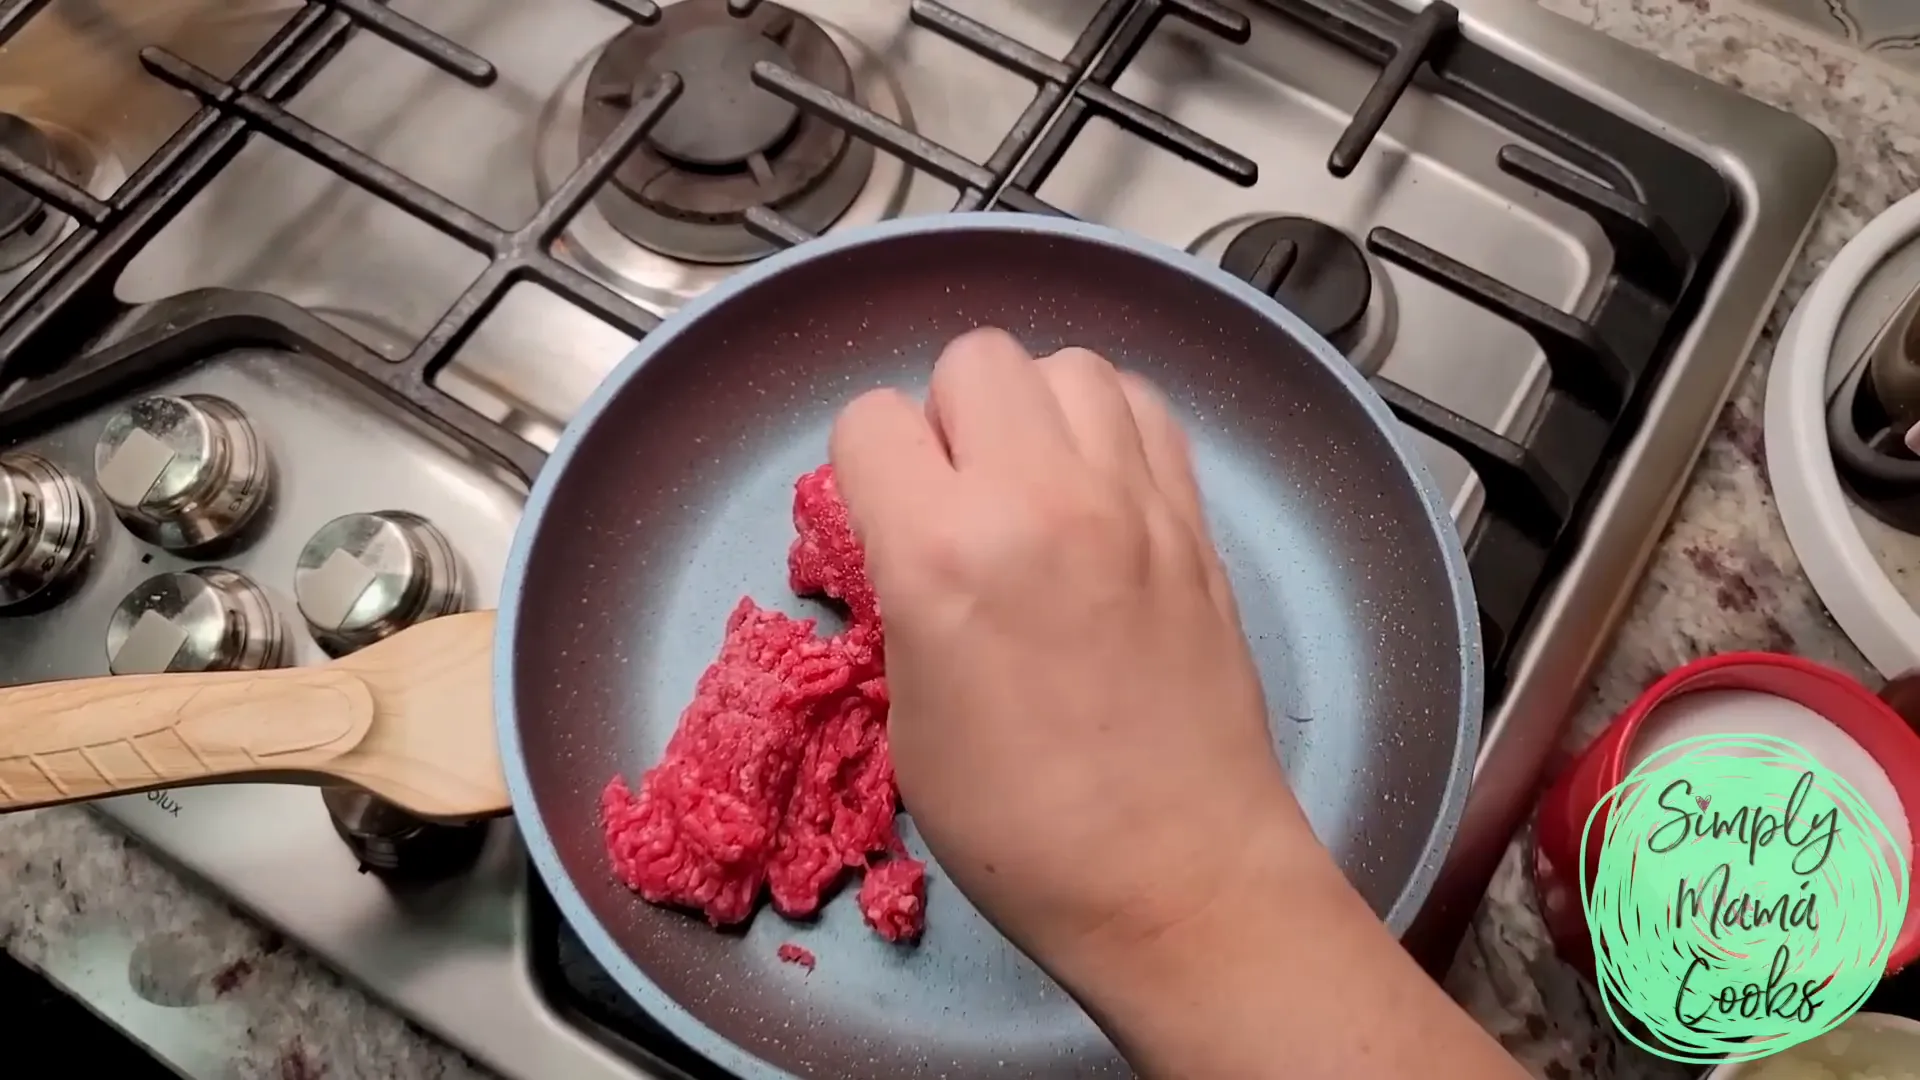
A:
x: 1558, y: 340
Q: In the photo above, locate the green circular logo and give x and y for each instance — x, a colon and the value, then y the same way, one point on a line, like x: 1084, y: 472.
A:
x: 1746, y: 899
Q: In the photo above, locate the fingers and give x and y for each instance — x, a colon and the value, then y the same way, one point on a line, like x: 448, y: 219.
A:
x: 1095, y: 406
x: 1164, y: 445
x: 889, y: 464
x: 991, y: 406
x: 1170, y: 459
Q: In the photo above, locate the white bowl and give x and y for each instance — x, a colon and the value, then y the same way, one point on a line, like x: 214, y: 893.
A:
x: 1864, y: 1040
x: 1837, y: 555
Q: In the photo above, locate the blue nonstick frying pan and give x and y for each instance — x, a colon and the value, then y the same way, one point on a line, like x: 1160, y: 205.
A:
x: 669, y: 496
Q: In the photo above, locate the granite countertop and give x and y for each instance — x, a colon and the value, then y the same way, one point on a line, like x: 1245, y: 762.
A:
x: 1724, y: 578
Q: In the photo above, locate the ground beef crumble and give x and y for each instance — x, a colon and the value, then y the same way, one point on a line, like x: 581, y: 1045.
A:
x: 796, y: 955
x: 826, y: 558
x: 893, y: 898
x: 778, y: 775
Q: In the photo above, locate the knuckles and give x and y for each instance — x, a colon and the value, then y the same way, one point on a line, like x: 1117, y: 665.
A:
x: 1044, y: 531
x: 1084, y: 361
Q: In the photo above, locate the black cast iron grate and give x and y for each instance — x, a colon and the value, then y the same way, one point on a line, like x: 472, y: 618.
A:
x: 1663, y: 209
x: 1663, y: 235
x: 1666, y: 213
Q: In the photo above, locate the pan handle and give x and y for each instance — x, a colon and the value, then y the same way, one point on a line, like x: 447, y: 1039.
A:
x: 83, y: 739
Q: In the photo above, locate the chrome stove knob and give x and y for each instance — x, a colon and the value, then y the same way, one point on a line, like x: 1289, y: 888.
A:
x: 186, y: 473
x: 365, y: 576
x: 360, y: 578
x: 46, y: 529
x: 205, y: 619
x: 396, y: 845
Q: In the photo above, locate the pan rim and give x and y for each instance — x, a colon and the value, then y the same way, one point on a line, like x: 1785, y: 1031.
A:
x: 677, y: 1020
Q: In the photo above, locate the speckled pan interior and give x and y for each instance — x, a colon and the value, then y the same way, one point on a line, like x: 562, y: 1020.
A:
x: 670, y: 497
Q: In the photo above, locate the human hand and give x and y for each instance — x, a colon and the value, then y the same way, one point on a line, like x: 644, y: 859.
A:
x: 1077, y: 726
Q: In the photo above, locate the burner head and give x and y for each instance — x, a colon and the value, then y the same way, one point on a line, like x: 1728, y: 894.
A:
x: 395, y: 844
x: 725, y: 146
x: 26, y: 223
x: 721, y: 118
x: 18, y: 206
x: 1323, y: 276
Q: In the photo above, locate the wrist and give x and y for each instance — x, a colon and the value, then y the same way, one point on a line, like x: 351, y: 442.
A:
x: 1276, y: 865
x: 1284, y: 970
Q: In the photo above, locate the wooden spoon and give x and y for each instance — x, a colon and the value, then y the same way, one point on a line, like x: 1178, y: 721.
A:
x: 409, y: 719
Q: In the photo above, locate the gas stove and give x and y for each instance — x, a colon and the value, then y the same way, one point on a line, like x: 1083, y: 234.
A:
x: 289, y: 313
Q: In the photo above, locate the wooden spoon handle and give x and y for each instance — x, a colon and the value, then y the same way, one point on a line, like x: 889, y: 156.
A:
x: 86, y: 738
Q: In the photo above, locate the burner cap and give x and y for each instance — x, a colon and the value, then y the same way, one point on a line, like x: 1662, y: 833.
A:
x: 20, y: 209
x: 725, y: 145
x: 1326, y: 283
x: 721, y: 118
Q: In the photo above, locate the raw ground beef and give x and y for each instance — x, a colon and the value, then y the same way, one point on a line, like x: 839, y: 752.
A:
x: 705, y: 823
x: 778, y: 774
x: 826, y: 559
x: 794, y: 954
x: 893, y: 898
x: 841, y: 809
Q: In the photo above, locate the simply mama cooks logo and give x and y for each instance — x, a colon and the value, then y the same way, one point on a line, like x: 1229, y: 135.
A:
x: 1745, y: 899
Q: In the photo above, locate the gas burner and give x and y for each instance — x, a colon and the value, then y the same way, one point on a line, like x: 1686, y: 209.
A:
x: 396, y: 845
x: 725, y: 146
x: 27, y: 225
x: 1318, y: 272
x: 662, y: 280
